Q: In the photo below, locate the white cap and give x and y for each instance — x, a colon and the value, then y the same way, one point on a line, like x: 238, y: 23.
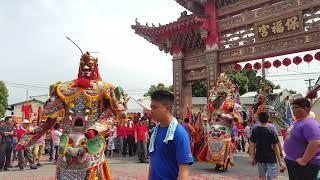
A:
x: 26, y: 121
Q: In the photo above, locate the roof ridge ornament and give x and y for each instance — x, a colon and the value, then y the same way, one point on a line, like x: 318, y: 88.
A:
x: 137, y: 22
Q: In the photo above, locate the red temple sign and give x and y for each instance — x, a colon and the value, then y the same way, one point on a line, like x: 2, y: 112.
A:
x: 291, y: 23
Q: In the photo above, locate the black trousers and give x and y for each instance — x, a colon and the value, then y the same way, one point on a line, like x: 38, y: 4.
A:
x: 297, y: 172
x: 242, y: 144
x: 56, y: 148
x: 128, y: 143
x: 5, y: 154
x: 51, y: 150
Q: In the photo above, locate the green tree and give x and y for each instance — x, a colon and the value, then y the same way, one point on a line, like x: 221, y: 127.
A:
x: 160, y: 86
x: 199, y: 89
x: 3, y: 99
x: 293, y: 92
x: 247, y: 80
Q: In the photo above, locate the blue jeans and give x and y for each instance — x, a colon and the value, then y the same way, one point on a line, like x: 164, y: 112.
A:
x: 268, y: 169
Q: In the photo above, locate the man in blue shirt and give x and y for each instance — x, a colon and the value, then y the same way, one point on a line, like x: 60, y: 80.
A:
x: 170, y: 153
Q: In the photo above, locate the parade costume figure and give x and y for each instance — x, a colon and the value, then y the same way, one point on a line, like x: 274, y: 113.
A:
x: 88, y: 107
x: 278, y: 109
x: 223, y: 109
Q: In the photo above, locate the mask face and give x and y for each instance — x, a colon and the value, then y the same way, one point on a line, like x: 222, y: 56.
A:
x: 88, y: 67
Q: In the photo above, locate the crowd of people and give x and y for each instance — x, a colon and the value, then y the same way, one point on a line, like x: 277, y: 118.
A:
x: 125, y: 138
x: 11, y: 133
x: 135, y: 137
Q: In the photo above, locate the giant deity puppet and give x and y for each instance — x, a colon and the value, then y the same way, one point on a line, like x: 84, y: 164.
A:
x: 88, y: 107
x: 224, y: 109
x: 276, y: 105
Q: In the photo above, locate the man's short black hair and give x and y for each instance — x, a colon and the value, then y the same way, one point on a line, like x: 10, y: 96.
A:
x: 6, y: 119
x: 186, y: 120
x: 302, y: 102
x: 163, y: 96
x: 263, y: 117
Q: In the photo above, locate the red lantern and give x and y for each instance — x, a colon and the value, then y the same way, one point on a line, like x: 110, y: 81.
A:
x: 238, y: 67
x: 276, y: 63
x: 297, y: 60
x: 248, y: 67
x: 317, y: 56
x: 267, y: 65
x: 286, y: 62
x: 308, y: 58
x: 257, y: 66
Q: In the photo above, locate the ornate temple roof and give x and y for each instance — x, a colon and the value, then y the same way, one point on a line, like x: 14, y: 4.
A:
x: 159, y: 35
x: 188, y: 31
x: 197, y: 6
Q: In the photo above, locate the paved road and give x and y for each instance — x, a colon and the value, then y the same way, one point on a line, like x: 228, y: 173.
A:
x: 128, y: 169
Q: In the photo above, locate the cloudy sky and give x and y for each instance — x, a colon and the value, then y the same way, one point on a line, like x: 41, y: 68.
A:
x: 35, y: 51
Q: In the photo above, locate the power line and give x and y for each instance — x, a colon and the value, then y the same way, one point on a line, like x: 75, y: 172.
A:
x: 296, y: 74
x: 25, y: 85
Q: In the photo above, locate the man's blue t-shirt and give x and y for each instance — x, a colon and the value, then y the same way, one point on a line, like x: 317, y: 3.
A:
x: 166, y: 158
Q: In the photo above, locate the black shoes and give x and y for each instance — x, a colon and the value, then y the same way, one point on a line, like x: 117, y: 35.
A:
x: 33, y: 167
x: 5, y: 169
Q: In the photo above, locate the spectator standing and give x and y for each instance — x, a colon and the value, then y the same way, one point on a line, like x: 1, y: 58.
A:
x: 6, y: 132
x: 111, y: 145
x: 170, y: 153
x: 141, y: 135
x: 24, y: 154
x: 56, y: 134
x: 130, y: 138
x: 264, y: 150
x: 39, y: 146
x: 302, y: 144
x: 121, y: 133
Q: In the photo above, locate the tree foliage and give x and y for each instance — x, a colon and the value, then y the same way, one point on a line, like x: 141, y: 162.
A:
x: 199, y: 89
x: 293, y: 92
x: 247, y: 80
x: 3, y: 99
x: 160, y: 86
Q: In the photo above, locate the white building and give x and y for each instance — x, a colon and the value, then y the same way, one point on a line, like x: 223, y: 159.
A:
x: 15, y: 109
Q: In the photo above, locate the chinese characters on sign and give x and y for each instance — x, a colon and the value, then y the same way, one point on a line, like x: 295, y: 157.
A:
x: 289, y: 24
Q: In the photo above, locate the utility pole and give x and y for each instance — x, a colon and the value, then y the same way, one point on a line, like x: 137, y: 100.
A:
x: 310, y: 82
x: 263, y: 70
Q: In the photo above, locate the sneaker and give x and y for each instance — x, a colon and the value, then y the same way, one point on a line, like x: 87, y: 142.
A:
x: 38, y: 164
x: 5, y: 169
x: 33, y: 167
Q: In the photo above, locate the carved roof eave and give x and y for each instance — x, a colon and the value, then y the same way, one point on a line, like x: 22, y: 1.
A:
x: 162, y: 31
x: 163, y: 39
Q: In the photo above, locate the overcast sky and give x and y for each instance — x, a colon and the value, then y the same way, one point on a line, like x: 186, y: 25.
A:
x: 35, y: 51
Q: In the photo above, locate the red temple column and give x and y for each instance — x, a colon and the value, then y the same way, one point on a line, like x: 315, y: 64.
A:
x: 212, y: 43
x: 211, y: 26
x: 177, y: 63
